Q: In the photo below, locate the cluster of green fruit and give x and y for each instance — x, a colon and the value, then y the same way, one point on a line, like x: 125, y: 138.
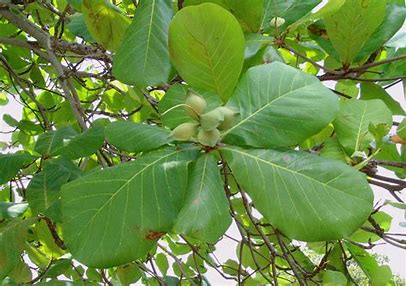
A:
x: 206, y: 127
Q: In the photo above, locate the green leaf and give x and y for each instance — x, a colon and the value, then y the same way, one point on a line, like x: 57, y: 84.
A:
x: 248, y: 13
x: 12, y: 239
x: 373, y: 91
x: 333, y: 150
x: 12, y: 210
x: 205, y: 214
x: 82, y: 145
x: 10, y: 164
x: 389, y: 152
x: 206, y: 44
x: 334, y: 278
x: 354, y: 119
x: 136, y: 137
x: 377, y: 275
x: 393, y: 21
x: 129, y: 274
x: 175, y: 96
x: 143, y: 58
x: 162, y: 262
x: 115, y: 215
x: 77, y: 26
x: 51, y: 141
x: 290, y: 11
x: 105, y: 23
x: 401, y: 130
x: 265, y: 98
x: 43, y: 191
x: 383, y: 219
x: 307, y: 197
x: 353, y: 24
x: 329, y: 8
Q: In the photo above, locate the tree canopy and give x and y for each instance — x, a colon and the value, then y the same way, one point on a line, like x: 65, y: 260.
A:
x: 155, y: 133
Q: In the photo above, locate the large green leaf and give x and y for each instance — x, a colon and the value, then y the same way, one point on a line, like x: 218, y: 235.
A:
x: 279, y: 106
x: 248, y: 13
x: 43, y: 191
x: 394, y: 19
x: 175, y: 96
x: 10, y: 164
x: 205, y: 215
x: 373, y: 91
x: 143, y: 58
x: 114, y: 216
x: 105, y: 22
x: 136, y: 137
x: 352, y: 25
x: 355, y: 119
x: 289, y: 10
x: 307, y: 197
x: 12, y: 239
x: 207, y: 48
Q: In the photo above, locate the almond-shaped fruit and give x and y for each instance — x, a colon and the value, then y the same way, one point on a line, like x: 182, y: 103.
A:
x: 211, y: 120
x: 208, y: 138
x: 196, y: 105
x: 230, y: 118
x: 185, y: 131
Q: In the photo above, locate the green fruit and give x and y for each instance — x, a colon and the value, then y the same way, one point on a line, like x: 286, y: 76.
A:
x: 208, y: 138
x: 185, y: 131
x: 210, y: 120
x: 229, y: 118
x: 196, y: 104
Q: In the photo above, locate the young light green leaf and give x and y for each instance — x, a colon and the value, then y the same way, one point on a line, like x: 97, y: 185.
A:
x: 266, y: 96
x: 307, y: 197
x: 216, y: 59
x: 136, y: 137
x: 353, y: 122
x: 114, y: 216
x: 352, y: 25
x: 205, y: 214
x: 143, y: 58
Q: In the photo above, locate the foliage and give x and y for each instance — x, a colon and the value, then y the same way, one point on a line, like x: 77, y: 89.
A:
x: 154, y: 132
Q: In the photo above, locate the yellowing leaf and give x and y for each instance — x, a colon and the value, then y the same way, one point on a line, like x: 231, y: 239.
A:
x: 106, y: 24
